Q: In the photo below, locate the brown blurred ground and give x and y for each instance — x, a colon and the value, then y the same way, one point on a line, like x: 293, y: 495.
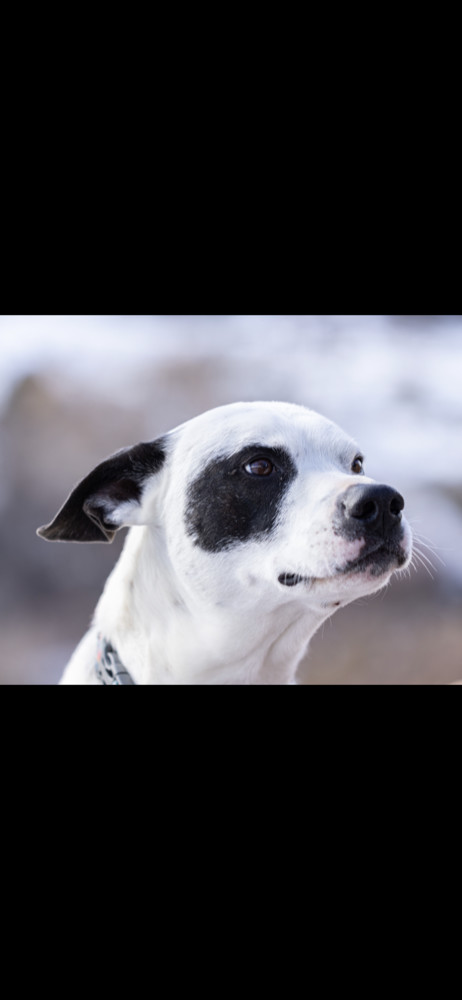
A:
x: 50, y: 438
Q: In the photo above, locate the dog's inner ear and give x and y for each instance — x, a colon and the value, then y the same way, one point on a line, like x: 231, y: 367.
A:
x: 108, y: 498
x: 110, y: 507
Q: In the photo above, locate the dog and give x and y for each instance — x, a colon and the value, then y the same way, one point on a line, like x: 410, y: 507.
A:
x: 249, y: 526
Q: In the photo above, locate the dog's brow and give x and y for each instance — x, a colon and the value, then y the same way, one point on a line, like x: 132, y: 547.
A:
x: 349, y: 450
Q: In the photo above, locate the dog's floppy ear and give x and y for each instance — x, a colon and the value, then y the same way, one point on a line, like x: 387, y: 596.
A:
x: 107, y: 498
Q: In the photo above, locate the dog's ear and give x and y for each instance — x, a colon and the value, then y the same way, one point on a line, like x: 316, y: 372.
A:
x: 108, y: 498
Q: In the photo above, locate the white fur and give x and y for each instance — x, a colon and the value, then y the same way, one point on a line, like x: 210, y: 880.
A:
x: 179, y: 614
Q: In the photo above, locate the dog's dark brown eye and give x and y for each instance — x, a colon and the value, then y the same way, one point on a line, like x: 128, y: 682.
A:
x: 259, y: 467
x: 357, y: 465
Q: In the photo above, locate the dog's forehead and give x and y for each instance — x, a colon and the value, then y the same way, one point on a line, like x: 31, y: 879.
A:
x: 227, y: 429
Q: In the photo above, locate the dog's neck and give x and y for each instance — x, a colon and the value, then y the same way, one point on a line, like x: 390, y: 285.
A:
x: 166, y: 630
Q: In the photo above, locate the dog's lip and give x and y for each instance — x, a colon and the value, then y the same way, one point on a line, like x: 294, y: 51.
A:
x: 292, y: 579
x: 394, y: 552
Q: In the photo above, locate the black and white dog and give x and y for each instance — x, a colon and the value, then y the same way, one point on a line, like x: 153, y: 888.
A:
x: 250, y: 525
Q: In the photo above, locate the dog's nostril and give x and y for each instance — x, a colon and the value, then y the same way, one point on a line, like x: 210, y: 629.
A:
x: 366, y: 511
x: 397, y: 505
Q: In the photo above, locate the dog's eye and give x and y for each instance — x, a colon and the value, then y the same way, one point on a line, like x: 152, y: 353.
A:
x: 357, y: 465
x: 259, y: 467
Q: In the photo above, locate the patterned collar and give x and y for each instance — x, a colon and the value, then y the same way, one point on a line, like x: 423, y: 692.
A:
x: 109, y: 667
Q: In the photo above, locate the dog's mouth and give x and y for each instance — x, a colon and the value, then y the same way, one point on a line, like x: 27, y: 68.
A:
x: 291, y: 579
x: 379, y: 559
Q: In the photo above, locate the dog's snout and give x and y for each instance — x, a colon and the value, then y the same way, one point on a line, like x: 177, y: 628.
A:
x: 372, y: 508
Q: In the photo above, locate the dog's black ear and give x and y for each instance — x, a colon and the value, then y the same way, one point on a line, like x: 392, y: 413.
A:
x: 108, y: 498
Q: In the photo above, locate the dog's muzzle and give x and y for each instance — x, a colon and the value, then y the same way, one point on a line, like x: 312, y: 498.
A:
x: 374, y: 513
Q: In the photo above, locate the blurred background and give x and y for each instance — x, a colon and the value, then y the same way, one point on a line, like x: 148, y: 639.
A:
x: 73, y: 389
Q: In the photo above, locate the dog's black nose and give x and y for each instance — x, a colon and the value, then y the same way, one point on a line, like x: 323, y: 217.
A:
x: 370, y: 508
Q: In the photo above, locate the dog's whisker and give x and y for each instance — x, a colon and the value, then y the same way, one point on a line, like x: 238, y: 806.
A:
x: 429, y: 542
x: 431, y: 548
x: 414, y: 562
x: 427, y: 559
x: 424, y: 564
x: 419, y: 550
x: 412, y: 565
x: 421, y: 537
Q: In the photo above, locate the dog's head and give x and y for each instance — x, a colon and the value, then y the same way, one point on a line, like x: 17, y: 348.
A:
x: 269, y: 493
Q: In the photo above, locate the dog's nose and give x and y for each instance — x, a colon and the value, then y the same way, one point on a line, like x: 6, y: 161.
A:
x: 370, y: 508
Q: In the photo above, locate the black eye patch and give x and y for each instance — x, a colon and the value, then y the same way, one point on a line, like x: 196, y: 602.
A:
x: 225, y: 505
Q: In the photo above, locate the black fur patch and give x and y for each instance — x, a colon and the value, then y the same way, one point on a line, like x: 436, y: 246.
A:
x: 84, y: 516
x: 226, y: 505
